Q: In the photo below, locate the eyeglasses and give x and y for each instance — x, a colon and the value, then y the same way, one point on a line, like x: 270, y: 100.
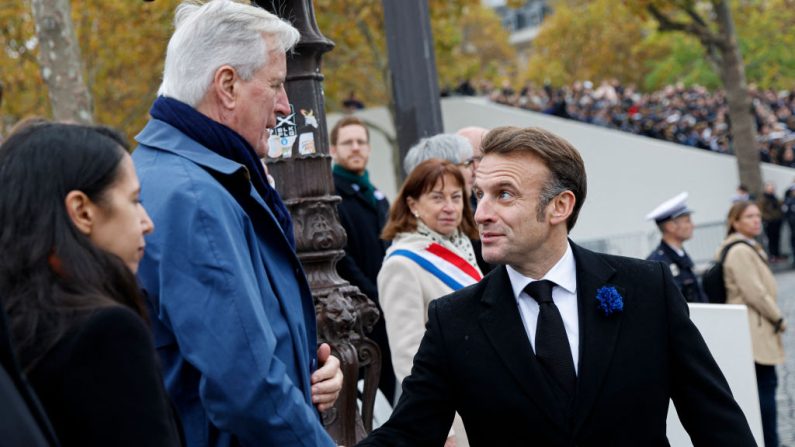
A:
x: 472, y: 161
x: 347, y: 143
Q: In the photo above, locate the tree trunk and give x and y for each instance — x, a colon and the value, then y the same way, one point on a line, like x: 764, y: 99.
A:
x: 743, y: 125
x: 60, y: 63
x: 386, y: 76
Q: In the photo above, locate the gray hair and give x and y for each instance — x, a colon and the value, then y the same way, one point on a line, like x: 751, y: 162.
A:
x: 453, y: 148
x: 217, y: 33
x: 551, y: 189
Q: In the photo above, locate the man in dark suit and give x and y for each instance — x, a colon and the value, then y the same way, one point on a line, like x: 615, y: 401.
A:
x: 559, y: 346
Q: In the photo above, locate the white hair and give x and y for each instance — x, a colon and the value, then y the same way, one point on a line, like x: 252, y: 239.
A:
x: 450, y: 147
x: 219, y: 32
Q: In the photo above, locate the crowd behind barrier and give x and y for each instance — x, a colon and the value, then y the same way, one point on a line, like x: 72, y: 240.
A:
x: 693, y: 116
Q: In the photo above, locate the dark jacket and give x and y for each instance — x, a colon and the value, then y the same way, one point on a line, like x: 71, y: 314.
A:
x: 682, y: 271
x: 770, y: 207
x: 363, y: 222
x: 476, y: 359
x: 364, y: 254
x: 789, y: 208
x: 101, y: 384
x: 22, y: 419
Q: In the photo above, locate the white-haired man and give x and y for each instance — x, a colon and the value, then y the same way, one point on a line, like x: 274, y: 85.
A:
x: 232, y: 312
x: 475, y: 136
x: 445, y: 146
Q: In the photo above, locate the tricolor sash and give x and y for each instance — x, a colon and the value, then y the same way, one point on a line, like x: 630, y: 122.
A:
x: 444, y: 264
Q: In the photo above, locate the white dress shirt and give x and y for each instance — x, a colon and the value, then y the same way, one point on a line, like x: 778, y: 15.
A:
x: 564, y: 294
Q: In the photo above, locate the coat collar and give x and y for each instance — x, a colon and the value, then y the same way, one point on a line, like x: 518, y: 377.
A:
x: 345, y: 187
x: 163, y: 136
x: 683, y: 261
x: 503, y: 327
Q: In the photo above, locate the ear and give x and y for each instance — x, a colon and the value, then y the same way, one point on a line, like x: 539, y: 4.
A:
x: 561, y: 207
x: 411, y: 203
x: 332, y: 150
x: 81, y: 210
x: 225, y: 86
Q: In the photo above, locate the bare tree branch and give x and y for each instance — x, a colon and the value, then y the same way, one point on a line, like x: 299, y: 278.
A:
x: 701, y: 32
x: 695, y: 16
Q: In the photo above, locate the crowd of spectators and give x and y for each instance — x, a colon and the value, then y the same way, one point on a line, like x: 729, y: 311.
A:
x: 693, y: 116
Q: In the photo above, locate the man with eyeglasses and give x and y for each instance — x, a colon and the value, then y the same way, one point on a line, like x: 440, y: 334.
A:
x: 363, y: 213
x: 475, y: 136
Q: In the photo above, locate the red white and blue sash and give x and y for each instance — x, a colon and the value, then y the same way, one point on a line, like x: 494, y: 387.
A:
x: 444, y: 264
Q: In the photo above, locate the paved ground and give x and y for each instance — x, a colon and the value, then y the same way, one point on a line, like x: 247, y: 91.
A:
x: 785, y: 396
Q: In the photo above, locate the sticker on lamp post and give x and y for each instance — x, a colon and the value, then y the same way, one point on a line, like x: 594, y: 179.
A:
x: 280, y: 143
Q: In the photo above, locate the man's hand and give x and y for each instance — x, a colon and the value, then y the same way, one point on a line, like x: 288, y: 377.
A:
x: 327, y: 380
x: 450, y: 442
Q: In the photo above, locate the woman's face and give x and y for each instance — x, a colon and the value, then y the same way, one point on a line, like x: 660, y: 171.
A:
x: 121, y: 220
x: 749, y: 223
x: 441, y: 208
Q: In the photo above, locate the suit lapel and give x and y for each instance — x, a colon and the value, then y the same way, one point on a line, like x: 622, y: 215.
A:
x: 598, y: 332
x: 503, y: 327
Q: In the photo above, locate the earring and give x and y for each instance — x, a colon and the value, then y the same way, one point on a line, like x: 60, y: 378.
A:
x: 416, y: 214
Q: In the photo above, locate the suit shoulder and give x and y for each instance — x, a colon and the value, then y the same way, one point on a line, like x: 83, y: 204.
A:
x: 632, y: 266
x: 658, y: 255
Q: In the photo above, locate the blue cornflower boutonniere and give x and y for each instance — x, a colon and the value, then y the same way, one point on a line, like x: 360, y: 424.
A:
x: 609, y: 300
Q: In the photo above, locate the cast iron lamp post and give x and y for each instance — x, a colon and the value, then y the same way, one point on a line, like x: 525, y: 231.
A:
x: 300, y: 164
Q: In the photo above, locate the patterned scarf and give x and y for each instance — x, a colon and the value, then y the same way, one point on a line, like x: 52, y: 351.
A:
x: 457, y: 240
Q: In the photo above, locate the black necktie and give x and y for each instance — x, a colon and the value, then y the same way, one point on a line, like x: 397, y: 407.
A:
x: 552, y: 345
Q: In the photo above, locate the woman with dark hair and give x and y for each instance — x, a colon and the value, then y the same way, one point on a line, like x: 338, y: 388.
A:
x: 749, y: 281
x: 430, y: 225
x: 72, y: 232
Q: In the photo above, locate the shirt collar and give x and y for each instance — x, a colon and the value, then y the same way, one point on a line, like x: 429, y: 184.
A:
x: 563, y: 274
x: 678, y: 251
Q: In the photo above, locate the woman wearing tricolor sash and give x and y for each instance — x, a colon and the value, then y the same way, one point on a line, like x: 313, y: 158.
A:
x: 430, y: 225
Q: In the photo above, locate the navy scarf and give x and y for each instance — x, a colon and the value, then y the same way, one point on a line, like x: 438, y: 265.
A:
x: 228, y: 144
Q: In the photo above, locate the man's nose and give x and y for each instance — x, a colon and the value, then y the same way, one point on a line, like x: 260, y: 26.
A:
x: 483, y: 211
x: 282, y: 103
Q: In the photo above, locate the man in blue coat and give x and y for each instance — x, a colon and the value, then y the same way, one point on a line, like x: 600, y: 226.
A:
x: 232, y: 312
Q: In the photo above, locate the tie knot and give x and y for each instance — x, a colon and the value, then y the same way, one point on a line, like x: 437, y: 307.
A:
x: 541, y: 291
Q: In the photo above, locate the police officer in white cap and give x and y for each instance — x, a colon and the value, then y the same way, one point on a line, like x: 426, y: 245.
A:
x: 673, y: 220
